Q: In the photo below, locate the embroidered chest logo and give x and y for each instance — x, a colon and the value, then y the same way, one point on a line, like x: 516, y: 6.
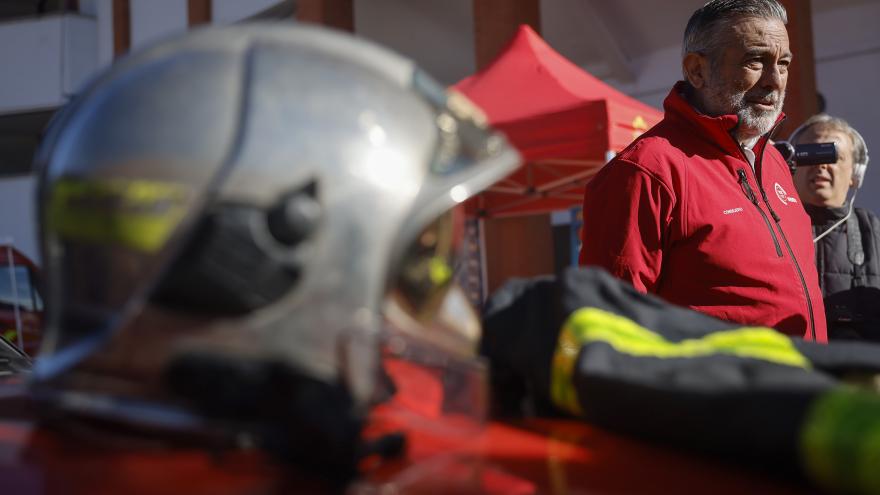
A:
x: 783, y: 196
x: 732, y: 211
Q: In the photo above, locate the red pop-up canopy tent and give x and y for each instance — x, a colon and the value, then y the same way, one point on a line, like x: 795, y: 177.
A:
x: 564, y: 121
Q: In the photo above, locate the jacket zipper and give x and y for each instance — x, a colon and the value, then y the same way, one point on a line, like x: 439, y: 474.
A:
x: 759, y: 160
x: 803, y: 284
x: 747, y: 189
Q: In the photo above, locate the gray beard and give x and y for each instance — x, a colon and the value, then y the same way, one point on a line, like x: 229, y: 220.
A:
x: 752, y: 121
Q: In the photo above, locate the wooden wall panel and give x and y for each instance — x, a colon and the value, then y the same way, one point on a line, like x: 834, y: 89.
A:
x: 198, y: 12
x: 496, y: 21
x: 801, y: 100
x: 517, y: 247
x: 121, y: 27
x: 337, y: 14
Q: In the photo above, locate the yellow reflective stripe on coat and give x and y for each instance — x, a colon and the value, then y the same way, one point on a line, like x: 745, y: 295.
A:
x: 590, y: 325
x: 840, y: 441
x: 139, y: 214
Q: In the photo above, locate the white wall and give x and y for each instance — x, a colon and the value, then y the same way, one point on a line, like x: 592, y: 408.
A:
x: 31, y: 77
x: 44, y: 60
x: 152, y: 20
x: 438, y: 35
x: 18, y: 218
x: 847, y: 45
x: 655, y: 75
x: 103, y: 13
x: 79, y: 58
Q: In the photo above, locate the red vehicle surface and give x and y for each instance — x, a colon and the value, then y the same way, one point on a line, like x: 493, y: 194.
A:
x: 444, y: 454
x: 21, y: 306
x: 529, y: 458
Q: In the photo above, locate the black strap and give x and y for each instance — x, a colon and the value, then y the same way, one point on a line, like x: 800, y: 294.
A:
x: 854, y: 250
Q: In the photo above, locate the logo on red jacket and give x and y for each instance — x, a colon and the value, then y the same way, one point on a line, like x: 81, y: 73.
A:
x: 783, y: 196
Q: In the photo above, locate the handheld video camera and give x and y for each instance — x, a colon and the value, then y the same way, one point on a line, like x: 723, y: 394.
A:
x: 805, y: 155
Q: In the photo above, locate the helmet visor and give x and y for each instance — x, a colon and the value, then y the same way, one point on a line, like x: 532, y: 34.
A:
x: 424, y: 301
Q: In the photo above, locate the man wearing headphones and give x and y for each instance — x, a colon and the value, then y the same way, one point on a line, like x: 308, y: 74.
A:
x: 847, y: 239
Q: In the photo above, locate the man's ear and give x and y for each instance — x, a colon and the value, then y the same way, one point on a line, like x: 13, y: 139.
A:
x: 696, y: 68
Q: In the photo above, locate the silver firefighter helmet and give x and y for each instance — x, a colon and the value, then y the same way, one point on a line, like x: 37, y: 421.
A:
x: 241, y: 200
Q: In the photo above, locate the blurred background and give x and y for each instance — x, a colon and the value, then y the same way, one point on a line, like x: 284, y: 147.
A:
x: 49, y: 48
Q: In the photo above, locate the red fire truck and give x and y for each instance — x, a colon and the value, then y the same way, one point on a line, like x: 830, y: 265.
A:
x: 21, y: 307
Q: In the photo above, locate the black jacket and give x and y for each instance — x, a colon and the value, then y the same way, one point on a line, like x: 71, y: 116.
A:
x: 590, y: 345
x: 851, y: 289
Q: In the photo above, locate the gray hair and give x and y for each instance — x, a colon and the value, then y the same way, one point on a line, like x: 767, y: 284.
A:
x: 827, y: 122
x: 700, y: 35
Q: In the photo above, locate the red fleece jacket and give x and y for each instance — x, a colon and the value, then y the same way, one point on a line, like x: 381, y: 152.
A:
x: 680, y: 213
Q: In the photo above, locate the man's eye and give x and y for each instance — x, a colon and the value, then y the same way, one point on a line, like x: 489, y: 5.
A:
x: 754, y: 64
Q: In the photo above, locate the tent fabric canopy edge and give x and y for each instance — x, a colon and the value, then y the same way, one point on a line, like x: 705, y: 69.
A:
x: 558, y: 116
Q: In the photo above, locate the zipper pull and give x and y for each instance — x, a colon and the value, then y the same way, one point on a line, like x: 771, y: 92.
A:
x: 747, y: 189
x: 773, y: 213
x: 766, y: 202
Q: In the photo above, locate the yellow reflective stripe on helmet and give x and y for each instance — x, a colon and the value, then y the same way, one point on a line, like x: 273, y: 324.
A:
x: 138, y: 214
x: 840, y: 441
x: 589, y: 325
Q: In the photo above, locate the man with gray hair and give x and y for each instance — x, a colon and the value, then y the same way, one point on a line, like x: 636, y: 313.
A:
x: 847, y: 239
x: 700, y: 210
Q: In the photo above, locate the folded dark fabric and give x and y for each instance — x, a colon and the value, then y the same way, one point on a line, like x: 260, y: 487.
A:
x: 589, y: 345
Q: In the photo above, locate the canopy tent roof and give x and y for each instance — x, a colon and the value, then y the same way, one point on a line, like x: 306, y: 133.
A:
x: 563, y: 120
